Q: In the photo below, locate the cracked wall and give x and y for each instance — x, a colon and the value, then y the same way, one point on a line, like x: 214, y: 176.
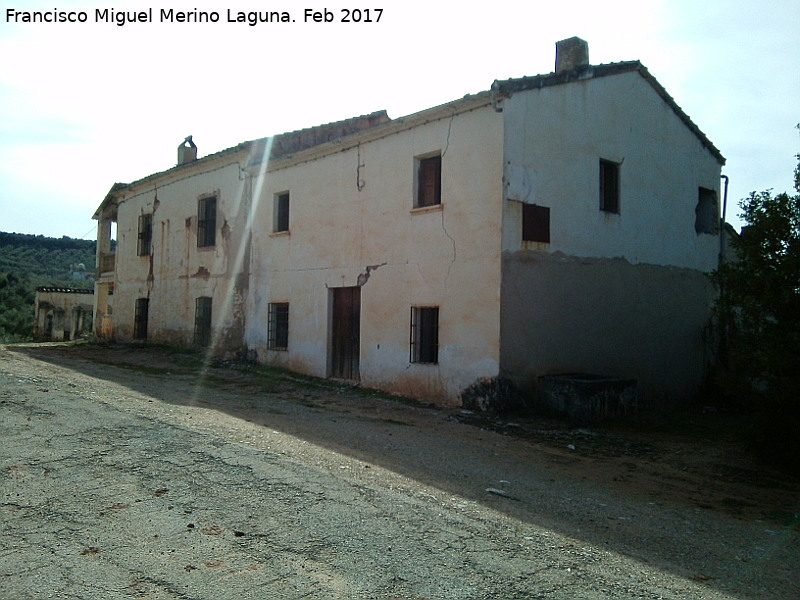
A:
x: 353, y: 223
x: 177, y: 271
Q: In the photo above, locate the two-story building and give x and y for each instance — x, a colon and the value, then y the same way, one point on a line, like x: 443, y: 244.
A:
x: 559, y: 223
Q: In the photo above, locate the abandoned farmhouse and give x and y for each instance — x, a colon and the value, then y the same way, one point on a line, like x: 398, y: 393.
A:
x: 560, y: 223
x: 61, y: 313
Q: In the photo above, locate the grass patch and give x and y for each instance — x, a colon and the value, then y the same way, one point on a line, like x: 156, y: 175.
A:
x: 264, y: 378
x: 145, y: 369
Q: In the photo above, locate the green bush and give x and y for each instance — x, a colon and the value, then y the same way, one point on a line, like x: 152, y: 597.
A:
x: 758, y: 312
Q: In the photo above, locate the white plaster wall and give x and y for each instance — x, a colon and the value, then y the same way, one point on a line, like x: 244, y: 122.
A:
x: 447, y: 256
x: 554, y: 139
x: 615, y: 294
x: 177, y: 271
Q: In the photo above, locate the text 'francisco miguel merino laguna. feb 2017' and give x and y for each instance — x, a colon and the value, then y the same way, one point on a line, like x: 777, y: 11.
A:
x: 169, y: 15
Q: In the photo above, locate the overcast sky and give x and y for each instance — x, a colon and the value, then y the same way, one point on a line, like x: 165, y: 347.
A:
x: 84, y: 105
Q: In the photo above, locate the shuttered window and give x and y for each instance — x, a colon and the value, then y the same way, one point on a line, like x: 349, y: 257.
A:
x: 429, y: 181
x: 207, y: 221
x: 145, y: 238
x: 609, y: 186
x: 281, y: 214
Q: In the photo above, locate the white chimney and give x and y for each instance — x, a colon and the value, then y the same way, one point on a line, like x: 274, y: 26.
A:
x: 571, y: 54
x: 187, y: 151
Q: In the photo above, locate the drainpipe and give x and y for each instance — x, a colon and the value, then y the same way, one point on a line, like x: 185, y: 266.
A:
x: 722, y: 221
x: 724, y: 196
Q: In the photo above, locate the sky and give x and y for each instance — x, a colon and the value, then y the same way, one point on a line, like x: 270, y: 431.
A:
x: 85, y: 105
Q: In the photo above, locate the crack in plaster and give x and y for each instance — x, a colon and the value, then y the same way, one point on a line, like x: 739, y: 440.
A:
x: 364, y: 277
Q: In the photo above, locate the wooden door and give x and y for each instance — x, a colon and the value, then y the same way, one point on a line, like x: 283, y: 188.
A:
x: 345, y: 332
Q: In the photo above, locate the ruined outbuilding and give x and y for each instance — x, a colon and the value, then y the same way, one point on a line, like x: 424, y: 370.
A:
x: 562, y: 223
x: 62, y: 314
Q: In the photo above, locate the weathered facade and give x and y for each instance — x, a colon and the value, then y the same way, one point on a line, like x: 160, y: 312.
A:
x: 619, y: 288
x: 559, y: 223
x: 62, y: 314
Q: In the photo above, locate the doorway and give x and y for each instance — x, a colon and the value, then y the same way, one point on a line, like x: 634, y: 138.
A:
x: 345, y: 332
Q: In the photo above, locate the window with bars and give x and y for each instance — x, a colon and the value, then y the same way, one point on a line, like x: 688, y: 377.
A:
x: 424, y: 334
x: 207, y: 221
x: 141, y: 309
x: 281, y: 213
x: 202, y: 321
x: 429, y: 181
x: 535, y: 223
x: 145, y: 238
x: 278, y: 326
x: 609, y: 186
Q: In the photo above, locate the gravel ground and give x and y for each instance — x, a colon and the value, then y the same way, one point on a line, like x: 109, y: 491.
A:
x: 143, y: 473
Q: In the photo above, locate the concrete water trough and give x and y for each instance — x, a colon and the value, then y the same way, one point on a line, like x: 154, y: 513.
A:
x: 585, y: 397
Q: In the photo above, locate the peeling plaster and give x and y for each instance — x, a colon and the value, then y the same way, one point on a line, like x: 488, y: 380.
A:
x: 364, y: 277
x: 518, y: 183
x: 150, y: 276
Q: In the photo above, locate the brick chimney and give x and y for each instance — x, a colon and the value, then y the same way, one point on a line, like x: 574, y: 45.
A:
x: 571, y: 53
x: 187, y: 151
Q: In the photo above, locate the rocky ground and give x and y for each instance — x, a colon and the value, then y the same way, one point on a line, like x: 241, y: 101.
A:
x: 145, y: 473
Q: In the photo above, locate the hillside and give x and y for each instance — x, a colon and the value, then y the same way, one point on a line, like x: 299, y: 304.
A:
x: 30, y: 261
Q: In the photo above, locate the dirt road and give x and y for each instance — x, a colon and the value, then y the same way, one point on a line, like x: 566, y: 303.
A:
x: 143, y: 473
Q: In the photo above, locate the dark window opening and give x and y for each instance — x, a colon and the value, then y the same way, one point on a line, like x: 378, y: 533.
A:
x: 429, y: 181
x: 278, y: 326
x: 207, y: 221
x: 535, y: 223
x: 145, y: 239
x: 202, y: 321
x: 281, y: 212
x: 425, y: 334
x: 609, y: 186
x: 140, y: 318
x: 706, y: 219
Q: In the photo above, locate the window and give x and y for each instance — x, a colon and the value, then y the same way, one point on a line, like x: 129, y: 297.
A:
x: 281, y: 212
x: 278, y: 326
x: 609, y: 186
x: 425, y: 334
x: 140, y: 318
x: 706, y: 219
x: 145, y: 235
x: 429, y: 181
x: 202, y: 321
x: 535, y: 223
x: 207, y: 221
